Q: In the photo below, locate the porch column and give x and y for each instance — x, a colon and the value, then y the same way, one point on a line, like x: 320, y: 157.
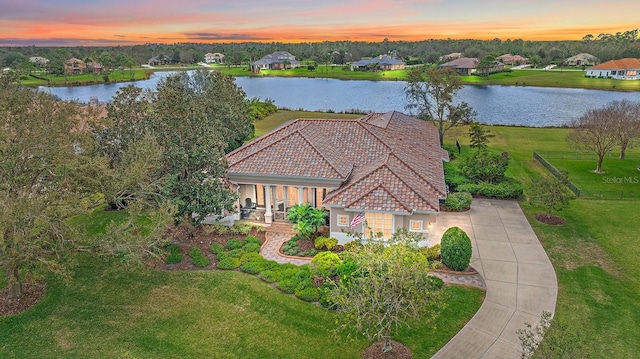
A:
x: 268, y: 215
x: 300, y: 195
x: 285, y: 189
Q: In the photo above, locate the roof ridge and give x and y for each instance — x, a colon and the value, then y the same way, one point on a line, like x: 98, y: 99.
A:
x: 297, y: 131
x: 417, y: 192
x: 318, y: 151
x: 384, y: 143
x: 381, y: 185
x: 417, y: 174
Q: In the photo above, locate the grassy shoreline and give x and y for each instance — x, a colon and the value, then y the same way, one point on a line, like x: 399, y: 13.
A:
x: 557, y: 77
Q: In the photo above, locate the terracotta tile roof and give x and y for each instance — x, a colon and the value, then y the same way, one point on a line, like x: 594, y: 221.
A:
x: 388, y: 162
x: 621, y: 64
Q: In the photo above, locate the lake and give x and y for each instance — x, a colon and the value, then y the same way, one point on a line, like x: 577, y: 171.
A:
x: 503, y: 105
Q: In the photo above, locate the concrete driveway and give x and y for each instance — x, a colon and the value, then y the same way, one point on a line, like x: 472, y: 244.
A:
x: 521, y: 282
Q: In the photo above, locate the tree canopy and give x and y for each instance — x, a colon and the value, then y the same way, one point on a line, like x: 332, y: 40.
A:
x: 430, y: 92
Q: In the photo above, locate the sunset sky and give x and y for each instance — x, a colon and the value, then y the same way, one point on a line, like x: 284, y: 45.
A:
x: 124, y: 22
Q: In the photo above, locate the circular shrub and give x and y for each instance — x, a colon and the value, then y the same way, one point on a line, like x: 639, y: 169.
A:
x: 234, y: 244
x: 216, y: 248
x: 455, y: 249
x: 458, y: 201
x: 229, y: 263
x: 324, y: 264
x: 173, y: 258
x: 252, y: 239
x: 197, y: 257
x: 251, y: 248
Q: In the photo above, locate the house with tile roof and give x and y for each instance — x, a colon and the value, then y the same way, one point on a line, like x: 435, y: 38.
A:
x: 74, y: 66
x: 379, y: 63
x: 279, y: 60
x: 213, y: 58
x: 582, y: 59
x: 463, y: 65
x: 511, y: 60
x: 622, y: 69
x: 388, y: 166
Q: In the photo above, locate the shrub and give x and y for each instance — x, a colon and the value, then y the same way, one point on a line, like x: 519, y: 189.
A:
x: 197, y: 257
x: 233, y: 244
x: 346, y: 269
x: 173, y: 258
x: 251, y: 268
x: 235, y: 253
x: 216, y: 248
x: 325, y: 242
x: 459, y: 201
x: 484, y: 166
x: 173, y: 254
x: 350, y: 245
x: 229, y: 263
x: 324, y: 264
x: 251, y: 257
x: 251, y: 248
x: 435, y: 283
x: 269, y: 276
x: 288, y: 285
x: 217, y: 228
x: 455, y: 249
x: 252, y: 239
x: 432, y: 253
x: 509, y: 188
x: 241, y: 228
x: 308, y: 294
x: 310, y: 253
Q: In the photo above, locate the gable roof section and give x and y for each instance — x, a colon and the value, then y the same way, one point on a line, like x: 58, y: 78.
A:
x: 621, y: 64
x: 387, y: 162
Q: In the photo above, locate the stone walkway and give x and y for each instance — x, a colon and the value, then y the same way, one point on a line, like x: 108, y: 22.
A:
x: 512, y: 266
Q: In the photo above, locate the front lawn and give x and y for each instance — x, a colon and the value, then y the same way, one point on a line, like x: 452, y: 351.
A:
x: 106, y: 312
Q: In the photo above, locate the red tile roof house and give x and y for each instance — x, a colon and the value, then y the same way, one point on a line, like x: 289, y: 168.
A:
x: 623, y: 69
x: 387, y: 166
x: 463, y: 65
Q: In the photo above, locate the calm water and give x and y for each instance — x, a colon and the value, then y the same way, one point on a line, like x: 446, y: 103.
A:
x: 505, y: 105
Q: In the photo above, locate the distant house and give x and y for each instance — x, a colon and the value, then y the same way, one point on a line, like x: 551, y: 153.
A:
x: 74, y: 66
x: 94, y: 67
x: 463, y: 65
x: 214, y: 58
x: 39, y: 60
x: 385, y: 167
x: 279, y: 60
x: 451, y: 56
x: 622, y: 69
x: 582, y: 59
x: 512, y: 60
x: 380, y: 63
x: 159, y: 60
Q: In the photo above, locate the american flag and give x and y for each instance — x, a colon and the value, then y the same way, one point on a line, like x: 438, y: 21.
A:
x: 357, y: 220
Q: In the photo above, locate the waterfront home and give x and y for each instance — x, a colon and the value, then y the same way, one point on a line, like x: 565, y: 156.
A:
x: 622, y: 69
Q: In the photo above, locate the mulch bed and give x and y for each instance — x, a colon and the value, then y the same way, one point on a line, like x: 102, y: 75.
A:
x: 552, y: 221
x: 398, y: 351
x: 31, y: 294
x: 202, y: 240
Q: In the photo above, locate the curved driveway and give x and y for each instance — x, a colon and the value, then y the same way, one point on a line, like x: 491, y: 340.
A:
x: 521, y: 282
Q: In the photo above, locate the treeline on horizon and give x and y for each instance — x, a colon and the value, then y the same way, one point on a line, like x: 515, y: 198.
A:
x: 604, y: 46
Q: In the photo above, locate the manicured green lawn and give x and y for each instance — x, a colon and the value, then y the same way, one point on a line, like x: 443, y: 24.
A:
x: 106, y: 312
x: 87, y: 79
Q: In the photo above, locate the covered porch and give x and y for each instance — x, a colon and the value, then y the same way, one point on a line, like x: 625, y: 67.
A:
x: 270, y: 202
